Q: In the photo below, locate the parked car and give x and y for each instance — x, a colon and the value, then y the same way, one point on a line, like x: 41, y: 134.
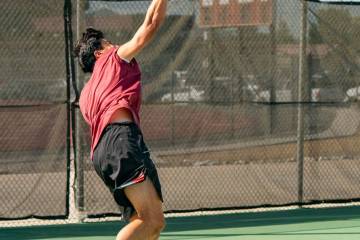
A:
x: 280, y: 96
x: 352, y: 94
x: 185, y: 94
x: 332, y: 94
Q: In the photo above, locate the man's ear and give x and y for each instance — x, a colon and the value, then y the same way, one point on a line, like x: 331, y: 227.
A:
x: 97, y: 53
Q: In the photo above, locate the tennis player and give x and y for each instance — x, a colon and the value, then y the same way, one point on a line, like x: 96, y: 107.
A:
x: 110, y: 104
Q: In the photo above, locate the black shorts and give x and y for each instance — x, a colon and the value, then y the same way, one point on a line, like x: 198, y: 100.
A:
x: 121, y: 159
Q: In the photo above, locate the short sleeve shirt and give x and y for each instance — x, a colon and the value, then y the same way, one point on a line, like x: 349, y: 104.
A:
x: 114, y: 84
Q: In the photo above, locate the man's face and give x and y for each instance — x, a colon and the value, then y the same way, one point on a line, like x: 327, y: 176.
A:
x: 106, y: 46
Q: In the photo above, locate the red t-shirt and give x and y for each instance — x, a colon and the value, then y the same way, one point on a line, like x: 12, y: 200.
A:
x: 114, y: 84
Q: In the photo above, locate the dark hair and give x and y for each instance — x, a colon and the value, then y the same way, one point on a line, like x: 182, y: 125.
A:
x: 85, y: 48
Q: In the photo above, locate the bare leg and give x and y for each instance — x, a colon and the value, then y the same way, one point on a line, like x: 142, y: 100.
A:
x: 149, y: 220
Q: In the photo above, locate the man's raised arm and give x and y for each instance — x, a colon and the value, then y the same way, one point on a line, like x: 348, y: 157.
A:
x: 154, y: 17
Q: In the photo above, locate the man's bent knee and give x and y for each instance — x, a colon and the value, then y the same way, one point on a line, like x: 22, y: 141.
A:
x: 148, y: 206
x: 159, y: 223
x: 155, y: 223
x: 156, y: 227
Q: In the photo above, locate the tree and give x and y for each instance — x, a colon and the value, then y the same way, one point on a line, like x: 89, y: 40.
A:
x: 314, y: 35
x: 283, y: 34
x: 337, y: 30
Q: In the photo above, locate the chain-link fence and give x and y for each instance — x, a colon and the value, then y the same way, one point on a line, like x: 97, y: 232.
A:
x: 244, y: 103
x: 33, y: 110
x: 221, y: 102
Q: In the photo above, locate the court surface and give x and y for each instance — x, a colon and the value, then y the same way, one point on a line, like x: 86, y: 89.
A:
x: 324, y: 223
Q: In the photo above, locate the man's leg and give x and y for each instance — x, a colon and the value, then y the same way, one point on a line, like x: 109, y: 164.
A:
x: 149, y: 221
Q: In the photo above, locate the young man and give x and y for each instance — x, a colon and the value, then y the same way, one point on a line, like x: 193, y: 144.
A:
x: 110, y: 104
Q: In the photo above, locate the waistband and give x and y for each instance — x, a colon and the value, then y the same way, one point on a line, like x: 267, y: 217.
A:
x: 131, y: 125
x: 125, y: 121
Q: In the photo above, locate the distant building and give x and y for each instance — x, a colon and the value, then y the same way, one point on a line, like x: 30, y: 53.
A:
x: 175, y: 8
x: 230, y: 13
x: 112, y: 16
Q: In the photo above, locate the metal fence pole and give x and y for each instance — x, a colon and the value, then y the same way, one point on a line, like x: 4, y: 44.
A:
x: 79, y: 156
x: 301, y: 99
x: 173, y: 75
x: 272, y: 107
x: 67, y: 19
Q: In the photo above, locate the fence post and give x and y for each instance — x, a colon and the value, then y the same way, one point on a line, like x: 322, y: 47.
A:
x: 302, y: 98
x: 272, y: 106
x: 67, y: 19
x: 173, y: 108
x: 79, y: 156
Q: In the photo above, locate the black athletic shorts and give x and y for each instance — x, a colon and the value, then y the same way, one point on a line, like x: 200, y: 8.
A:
x: 121, y: 159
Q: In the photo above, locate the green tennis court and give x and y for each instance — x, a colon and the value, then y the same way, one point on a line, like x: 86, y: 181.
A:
x: 329, y: 223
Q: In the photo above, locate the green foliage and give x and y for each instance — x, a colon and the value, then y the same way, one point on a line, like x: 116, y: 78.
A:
x: 283, y: 34
x: 338, y: 31
x: 314, y: 35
